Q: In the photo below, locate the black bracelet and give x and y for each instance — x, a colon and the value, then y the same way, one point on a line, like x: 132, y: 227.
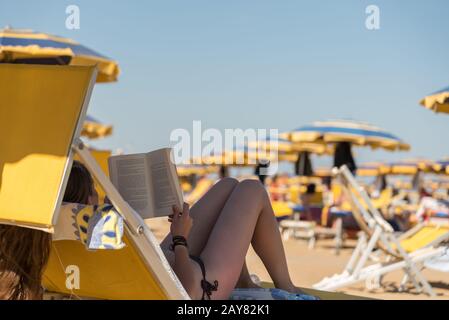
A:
x: 178, y: 241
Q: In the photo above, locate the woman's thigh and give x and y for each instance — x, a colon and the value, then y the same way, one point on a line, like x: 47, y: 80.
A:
x: 205, y: 213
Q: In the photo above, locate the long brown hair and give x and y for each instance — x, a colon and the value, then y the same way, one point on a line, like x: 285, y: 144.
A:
x: 80, y: 185
x: 23, y: 256
x: 24, y: 252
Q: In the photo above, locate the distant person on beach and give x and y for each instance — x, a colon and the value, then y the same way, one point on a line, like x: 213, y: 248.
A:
x: 277, y: 189
x: 429, y: 205
x: 306, y: 200
x: 206, y: 247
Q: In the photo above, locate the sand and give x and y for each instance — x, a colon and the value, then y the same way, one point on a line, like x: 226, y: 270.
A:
x: 310, y: 266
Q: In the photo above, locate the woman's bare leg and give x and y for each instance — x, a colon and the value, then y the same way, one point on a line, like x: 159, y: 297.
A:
x: 245, y: 280
x: 247, y: 217
x: 205, y: 213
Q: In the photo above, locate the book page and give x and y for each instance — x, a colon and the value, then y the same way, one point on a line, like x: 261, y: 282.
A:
x: 128, y: 174
x: 163, y: 182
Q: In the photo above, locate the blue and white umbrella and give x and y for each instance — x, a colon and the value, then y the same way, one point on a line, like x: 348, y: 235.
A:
x: 354, y: 132
x: 27, y: 46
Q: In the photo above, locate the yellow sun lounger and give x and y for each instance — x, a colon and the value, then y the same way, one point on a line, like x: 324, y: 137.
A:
x: 43, y: 115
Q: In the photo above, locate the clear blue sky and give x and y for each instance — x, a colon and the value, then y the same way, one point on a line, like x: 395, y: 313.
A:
x: 259, y: 64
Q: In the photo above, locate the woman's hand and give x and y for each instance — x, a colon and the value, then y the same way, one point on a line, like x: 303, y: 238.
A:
x: 181, y: 222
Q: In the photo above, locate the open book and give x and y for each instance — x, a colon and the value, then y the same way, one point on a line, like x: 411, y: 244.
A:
x: 147, y: 181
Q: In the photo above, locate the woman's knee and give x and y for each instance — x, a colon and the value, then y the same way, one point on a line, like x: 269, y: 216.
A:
x: 255, y: 187
x: 229, y: 183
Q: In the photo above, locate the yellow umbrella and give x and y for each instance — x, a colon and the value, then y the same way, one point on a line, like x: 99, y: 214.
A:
x: 235, y: 157
x: 284, y: 146
x: 438, y: 101
x: 370, y: 169
x: 441, y: 166
x: 407, y: 167
x: 188, y: 170
x: 27, y: 46
x: 94, y: 129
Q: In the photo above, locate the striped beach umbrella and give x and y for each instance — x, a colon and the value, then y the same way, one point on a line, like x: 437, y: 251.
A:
x: 438, y: 101
x: 407, y: 167
x: 354, y: 132
x: 441, y: 166
x: 94, y: 129
x: 370, y: 169
x: 26, y: 46
x: 343, y: 134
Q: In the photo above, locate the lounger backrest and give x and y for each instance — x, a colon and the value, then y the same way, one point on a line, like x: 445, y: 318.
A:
x: 42, y: 109
x: 426, y: 236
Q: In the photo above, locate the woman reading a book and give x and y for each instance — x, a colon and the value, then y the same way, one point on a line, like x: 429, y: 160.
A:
x: 207, y: 244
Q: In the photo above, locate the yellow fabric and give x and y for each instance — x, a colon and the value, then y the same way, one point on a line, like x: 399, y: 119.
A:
x: 40, y: 109
x: 101, y: 157
x: 317, y: 199
x: 94, y: 130
x: 294, y: 193
x: 438, y: 102
x: 384, y: 199
x: 104, y: 274
x: 424, y: 237
x: 281, y: 209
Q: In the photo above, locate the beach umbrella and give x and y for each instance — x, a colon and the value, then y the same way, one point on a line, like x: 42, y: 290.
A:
x: 407, y: 167
x: 354, y: 132
x: 94, y: 129
x: 438, y: 101
x: 441, y: 166
x: 236, y: 157
x: 26, y: 46
x: 369, y: 169
x: 344, y: 134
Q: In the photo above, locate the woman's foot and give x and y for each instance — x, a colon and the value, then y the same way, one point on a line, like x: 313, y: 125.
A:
x: 248, y: 284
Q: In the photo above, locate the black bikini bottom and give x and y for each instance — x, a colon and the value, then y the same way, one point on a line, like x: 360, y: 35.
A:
x: 205, y: 285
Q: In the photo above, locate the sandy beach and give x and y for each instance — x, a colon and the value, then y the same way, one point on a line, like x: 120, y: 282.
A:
x: 310, y: 266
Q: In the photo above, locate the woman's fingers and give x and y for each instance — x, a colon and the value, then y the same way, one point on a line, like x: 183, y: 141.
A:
x: 185, y: 210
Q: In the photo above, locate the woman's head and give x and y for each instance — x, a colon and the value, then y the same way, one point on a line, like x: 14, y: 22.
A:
x: 80, y: 187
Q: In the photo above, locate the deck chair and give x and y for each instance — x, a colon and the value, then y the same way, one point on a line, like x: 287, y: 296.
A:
x: 43, y: 113
x: 378, y: 243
